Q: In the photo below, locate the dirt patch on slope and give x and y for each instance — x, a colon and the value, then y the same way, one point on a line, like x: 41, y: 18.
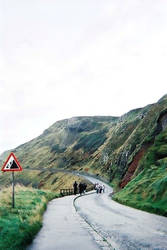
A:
x: 133, y: 166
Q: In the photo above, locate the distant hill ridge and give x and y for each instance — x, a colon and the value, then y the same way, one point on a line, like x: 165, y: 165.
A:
x: 112, y: 147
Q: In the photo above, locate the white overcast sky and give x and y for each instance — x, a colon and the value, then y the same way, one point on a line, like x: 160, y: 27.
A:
x: 65, y: 58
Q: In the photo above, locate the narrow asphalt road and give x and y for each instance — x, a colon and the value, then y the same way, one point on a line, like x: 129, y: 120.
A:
x: 99, y: 223
x: 123, y: 227
x: 64, y: 229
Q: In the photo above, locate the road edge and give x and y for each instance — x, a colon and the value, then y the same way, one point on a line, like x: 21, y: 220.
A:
x: 104, y: 240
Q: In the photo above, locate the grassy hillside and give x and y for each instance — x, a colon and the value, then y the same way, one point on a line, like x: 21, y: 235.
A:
x: 18, y: 226
x: 148, y: 190
x: 56, y: 147
x: 112, y: 147
x: 45, y: 180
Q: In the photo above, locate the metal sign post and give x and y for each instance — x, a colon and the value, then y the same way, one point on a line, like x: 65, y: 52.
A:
x: 12, y: 165
x: 13, y: 198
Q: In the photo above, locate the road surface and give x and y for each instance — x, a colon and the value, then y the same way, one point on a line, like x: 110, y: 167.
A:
x: 123, y: 227
x: 64, y: 229
x: 99, y: 223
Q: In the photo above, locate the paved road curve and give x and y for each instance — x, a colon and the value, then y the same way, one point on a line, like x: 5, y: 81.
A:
x: 64, y: 229
x: 116, y: 226
x: 125, y: 228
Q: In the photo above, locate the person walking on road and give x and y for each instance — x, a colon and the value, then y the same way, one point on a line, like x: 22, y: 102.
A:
x: 75, y: 186
x: 100, y: 189
x: 103, y: 188
x: 84, y: 188
x: 81, y: 188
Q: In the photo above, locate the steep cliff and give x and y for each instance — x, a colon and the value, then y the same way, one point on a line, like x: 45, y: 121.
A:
x: 112, y: 147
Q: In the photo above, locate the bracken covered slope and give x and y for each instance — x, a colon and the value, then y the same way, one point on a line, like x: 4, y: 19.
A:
x: 116, y: 148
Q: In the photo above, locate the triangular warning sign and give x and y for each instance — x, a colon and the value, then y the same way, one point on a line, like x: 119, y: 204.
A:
x: 11, y: 164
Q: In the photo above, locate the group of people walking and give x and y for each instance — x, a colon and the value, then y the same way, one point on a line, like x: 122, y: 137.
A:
x: 79, y: 188
x: 99, y: 188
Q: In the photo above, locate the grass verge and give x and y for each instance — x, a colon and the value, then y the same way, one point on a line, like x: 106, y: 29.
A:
x: 147, y: 191
x: 18, y: 226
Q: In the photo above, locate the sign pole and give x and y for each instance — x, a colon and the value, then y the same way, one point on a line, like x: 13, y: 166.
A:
x: 13, y: 200
x: 12, y: 164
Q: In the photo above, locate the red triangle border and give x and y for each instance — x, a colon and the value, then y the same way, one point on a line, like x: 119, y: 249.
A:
x: 18, y: 164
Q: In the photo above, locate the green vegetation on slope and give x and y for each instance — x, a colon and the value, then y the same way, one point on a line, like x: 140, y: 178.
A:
x: 111, y: 147
x: 18, y: 226
x: 91, y: 142
x: 148, y: 190
x: 58, y: 146
x: 43, y: 179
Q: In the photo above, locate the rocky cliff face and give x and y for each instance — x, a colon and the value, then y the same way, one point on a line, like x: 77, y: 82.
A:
x: 108, y: 146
